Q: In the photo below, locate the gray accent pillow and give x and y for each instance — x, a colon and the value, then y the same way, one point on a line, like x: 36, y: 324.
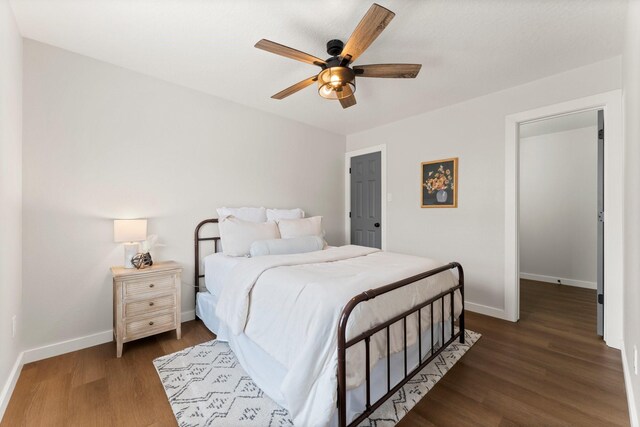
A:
x: 296, y: 245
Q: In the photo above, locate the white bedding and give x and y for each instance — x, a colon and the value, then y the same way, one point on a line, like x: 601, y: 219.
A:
x: 216, y: 270
x: 301, y: 297
x: 206, y: 303
x: 269, y: 375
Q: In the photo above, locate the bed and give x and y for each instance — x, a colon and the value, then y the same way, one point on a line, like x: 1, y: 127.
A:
x: 330, y: 335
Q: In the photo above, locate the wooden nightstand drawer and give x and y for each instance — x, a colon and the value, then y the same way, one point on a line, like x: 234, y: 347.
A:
x: 147, y: 326
x: 142, y: 286
x: 149, y: 305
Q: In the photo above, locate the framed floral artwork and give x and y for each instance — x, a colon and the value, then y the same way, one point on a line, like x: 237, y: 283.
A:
x: 439, y: 186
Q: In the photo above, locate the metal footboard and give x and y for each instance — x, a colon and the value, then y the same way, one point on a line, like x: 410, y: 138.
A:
x: 343, y: 344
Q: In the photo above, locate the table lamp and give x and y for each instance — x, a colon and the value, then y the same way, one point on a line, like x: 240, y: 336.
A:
x: 129, y: 231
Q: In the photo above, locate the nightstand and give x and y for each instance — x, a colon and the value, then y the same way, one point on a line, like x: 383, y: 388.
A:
x: 145, y: 302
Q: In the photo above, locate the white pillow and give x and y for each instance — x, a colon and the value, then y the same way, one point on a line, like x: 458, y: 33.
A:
x: 290, y: 228
x: 297, y: 245
x: 277, y: 214
x: 246, y: 214
x: 238, y: 235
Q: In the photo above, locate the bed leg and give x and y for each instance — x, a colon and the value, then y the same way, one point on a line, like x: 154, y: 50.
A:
x: 461, y: 281
x: 462, y: 327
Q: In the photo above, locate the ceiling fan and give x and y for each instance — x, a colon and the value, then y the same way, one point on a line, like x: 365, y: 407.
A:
x: 337, y: 80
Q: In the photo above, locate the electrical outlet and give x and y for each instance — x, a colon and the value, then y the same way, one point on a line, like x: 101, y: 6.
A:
x: 14, y: 323
x: 389, y: 197
x: 635, y: 359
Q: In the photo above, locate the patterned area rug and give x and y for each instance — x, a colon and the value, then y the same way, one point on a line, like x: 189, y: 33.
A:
x: 206, y: 386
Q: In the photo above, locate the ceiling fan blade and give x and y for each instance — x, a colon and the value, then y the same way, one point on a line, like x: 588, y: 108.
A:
x: 369, y: 28
x: 289, y: 52
x: 294, y: 88
x: 348, y: 102
x: 398, y: 71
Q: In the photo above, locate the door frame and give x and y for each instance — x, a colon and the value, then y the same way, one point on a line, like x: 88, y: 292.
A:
x: 382, y: 148
x: 611, y: 103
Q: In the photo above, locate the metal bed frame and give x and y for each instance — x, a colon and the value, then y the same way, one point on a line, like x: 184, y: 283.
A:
x: 344, y: 344
x: 196, y: 240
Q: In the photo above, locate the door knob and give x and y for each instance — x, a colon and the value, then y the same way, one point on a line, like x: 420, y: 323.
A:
x: 376, y: 225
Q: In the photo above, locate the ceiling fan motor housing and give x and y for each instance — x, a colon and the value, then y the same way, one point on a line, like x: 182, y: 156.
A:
x: 334, y: 47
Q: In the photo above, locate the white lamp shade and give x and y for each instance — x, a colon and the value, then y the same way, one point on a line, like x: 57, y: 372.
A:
x: 129, y: 230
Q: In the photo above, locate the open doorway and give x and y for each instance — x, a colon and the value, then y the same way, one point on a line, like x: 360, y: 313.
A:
x: 611, y: 103
x: 561, y: 229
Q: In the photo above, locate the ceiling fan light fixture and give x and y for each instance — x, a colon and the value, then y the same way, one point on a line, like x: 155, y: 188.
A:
x: 337, y: 78
x: 336, y: 83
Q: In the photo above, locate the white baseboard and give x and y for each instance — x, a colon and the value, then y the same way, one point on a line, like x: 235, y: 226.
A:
x: 67, y: 346
x: 563, y: 281
x: 631, y: 401
x: 486, y: 310
x: 188, y: 315
x: 79, y: 343
x: 10, y: 384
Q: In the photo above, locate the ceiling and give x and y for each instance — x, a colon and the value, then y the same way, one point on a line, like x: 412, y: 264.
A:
x: 559, y: 124
x: 468, y: 48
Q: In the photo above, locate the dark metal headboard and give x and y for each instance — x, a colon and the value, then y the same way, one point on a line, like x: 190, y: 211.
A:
x: 196, y: 240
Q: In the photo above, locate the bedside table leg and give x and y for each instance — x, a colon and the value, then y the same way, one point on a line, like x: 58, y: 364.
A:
x: 179, y: 331
x: 119, y: 348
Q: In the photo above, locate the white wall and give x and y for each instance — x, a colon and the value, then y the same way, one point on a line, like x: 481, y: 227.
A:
x: 10, y: 194
x: 102, y: 142
x: 474, y: 131
x: 631, y: 90
x: 558, y: 205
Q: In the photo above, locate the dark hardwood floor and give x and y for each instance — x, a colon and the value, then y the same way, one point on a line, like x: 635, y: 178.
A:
x: 547, y: 369
x: 550, y: 368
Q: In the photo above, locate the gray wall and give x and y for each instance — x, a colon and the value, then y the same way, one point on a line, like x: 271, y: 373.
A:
x: 10, y: 191
x: 558, y: 205
x: 631, y: 90
x: 474, y: 131
x: 102, y: 142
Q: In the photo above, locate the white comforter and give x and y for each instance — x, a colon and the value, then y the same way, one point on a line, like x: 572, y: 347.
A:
x: 290, y: 306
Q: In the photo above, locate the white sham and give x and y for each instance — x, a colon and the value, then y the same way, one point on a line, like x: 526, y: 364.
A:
x: 237, y: 235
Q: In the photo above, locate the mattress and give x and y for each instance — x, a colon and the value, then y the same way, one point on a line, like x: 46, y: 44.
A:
x: 269, y: 374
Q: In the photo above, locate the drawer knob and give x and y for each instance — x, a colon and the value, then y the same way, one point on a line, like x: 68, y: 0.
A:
x: 151, y: 285
x: 150, y: 323
x: 151, y: 303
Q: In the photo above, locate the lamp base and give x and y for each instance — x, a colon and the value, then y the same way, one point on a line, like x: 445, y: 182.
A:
x: 130, y: 250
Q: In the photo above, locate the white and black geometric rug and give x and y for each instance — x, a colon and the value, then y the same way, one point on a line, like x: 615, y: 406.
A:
x: 206, y: 386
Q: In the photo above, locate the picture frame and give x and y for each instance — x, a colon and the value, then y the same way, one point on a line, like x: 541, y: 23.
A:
x: 439, y: 183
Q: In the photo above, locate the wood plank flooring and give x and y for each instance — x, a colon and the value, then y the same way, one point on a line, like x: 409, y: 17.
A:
x: 550, y: 368
x: 547, y: 369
